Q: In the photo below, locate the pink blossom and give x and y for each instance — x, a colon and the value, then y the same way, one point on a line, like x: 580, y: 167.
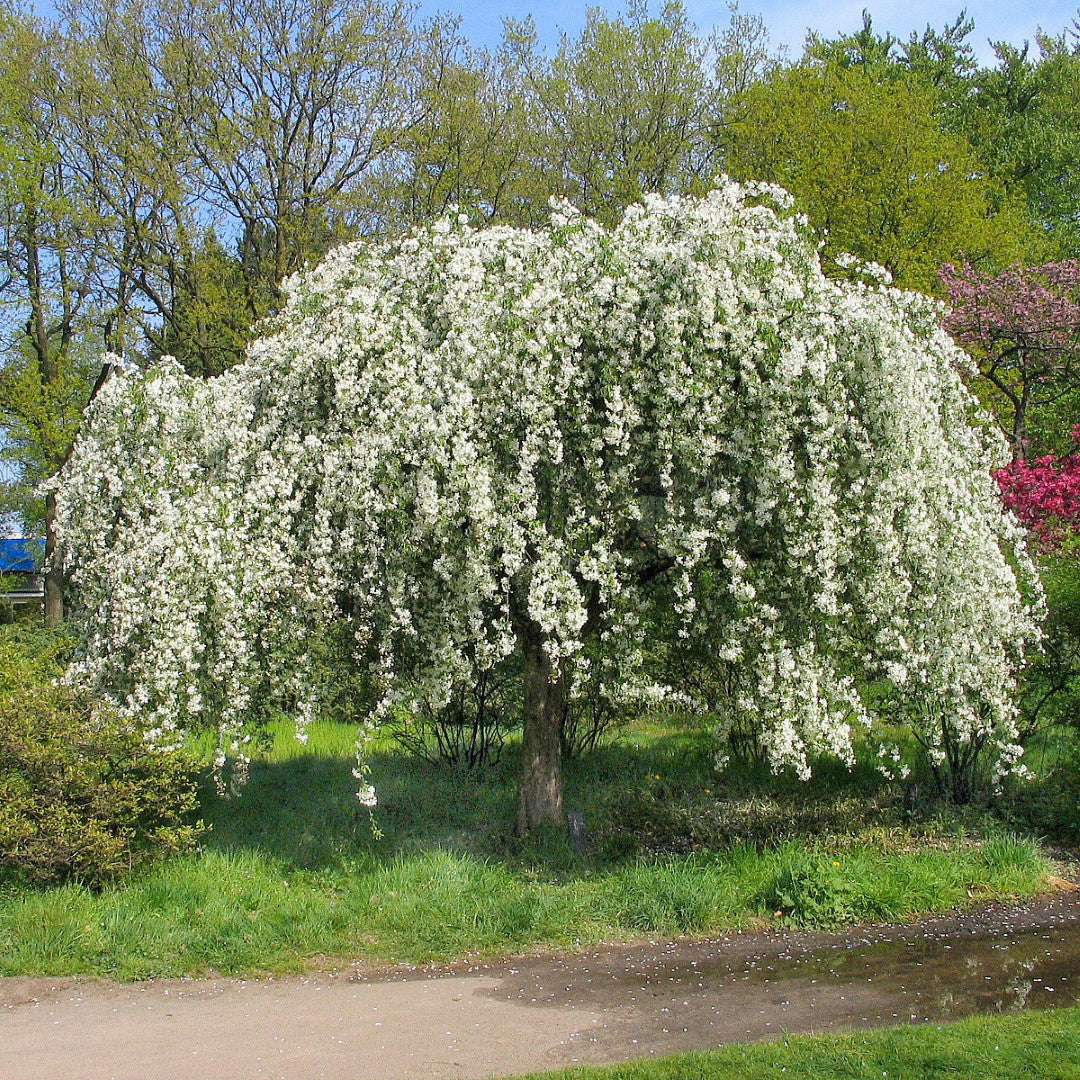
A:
x: 1034, y: 307
x: 1022, y: 329
x: 1045, y: 495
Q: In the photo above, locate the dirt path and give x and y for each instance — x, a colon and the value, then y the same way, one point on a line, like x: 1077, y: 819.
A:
x: 515, y: 1015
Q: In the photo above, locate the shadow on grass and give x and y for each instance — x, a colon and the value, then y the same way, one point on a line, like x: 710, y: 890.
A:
x: 654, y: 796
x: 303, y: 810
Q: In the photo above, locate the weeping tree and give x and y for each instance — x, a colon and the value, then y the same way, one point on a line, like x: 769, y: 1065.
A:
x: 538, y: 450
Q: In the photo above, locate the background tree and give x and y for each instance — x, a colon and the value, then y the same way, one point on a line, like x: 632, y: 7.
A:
x: 162, y: 267
x: 1024, y: 118
x: 1023, y: 329
x: 942, y: 60
x: 869, y: 163
x: 470, y: 147
x: 741, y: 55
x: 286, y: 109
x: 621, y: 111
x: 208, y: 325
x: 255, y: 122
x: 1045, y: 495
x: 50, y: 244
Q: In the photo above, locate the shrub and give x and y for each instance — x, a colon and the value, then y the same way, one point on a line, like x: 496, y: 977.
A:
x: 812, y: 889
x: 1052, y: 680
x: 470, y: 729
x: 1045, y: 495
x: 83, y: 796
x: 590, y: 716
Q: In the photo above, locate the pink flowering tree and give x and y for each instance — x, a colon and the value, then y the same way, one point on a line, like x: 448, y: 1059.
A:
x: 1044, y: 493
x: 1022, y: 328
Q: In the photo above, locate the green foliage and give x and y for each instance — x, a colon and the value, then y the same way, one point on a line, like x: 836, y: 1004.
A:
x: 815, y: 886
x: 1024, y: 117
x: 211, y: 320
x: 82, y: 797
x: 813, y: 889
x: 870, y: 164
x: 589, y: 720
x: 471, y: 146
x: 940, y: 60
x: 350, y: 690
x: 49, y: 231
x: 1052, y: 679
x: 1049, y: 803
x: 39, y: 417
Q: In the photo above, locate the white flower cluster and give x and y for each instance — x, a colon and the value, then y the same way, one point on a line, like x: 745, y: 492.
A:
x: 445, y: 435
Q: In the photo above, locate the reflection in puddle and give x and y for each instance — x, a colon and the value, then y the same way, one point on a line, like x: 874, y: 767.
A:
x: 695, y: 995
x: 946, y: 979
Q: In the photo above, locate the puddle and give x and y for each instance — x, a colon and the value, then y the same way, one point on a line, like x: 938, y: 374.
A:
x: 670, y: 998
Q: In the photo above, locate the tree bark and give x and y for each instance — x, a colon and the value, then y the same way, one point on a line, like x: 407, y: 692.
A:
x: 54, y: 572
x: 1019, y: 439
x: 540, y: 796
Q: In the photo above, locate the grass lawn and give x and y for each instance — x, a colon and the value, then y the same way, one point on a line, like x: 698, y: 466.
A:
x: 1031, y: 1046
x: 290, y: 875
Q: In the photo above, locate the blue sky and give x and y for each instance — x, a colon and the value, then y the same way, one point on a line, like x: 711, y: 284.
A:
x: 994, y: 19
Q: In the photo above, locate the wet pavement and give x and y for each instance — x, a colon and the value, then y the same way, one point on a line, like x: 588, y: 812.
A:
x: 515, y: 1015
x: 692, y: 995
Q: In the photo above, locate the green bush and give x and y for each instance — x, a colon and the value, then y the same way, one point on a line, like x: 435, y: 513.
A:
x: 1051, y: 684
x: 83, y: 797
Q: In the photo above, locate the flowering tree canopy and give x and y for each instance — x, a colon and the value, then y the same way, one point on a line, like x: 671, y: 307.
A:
x: 1023, y: 327
x: 1044, y: 494
x: 472, y: 447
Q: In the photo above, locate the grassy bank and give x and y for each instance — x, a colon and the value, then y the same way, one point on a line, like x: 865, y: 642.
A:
x: 290, y: 871
x: 1035, y: 1045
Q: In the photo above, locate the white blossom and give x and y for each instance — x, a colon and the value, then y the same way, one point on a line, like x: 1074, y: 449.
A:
x: 437, y: 428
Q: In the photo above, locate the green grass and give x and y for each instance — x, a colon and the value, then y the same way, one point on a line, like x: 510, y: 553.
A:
x: 290, y: 872
x: 1032, y: 1046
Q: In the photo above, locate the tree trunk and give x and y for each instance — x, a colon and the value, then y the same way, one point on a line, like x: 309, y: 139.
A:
x: 54, y: 572
x: 1019, y: 439
x: 540, y: 797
